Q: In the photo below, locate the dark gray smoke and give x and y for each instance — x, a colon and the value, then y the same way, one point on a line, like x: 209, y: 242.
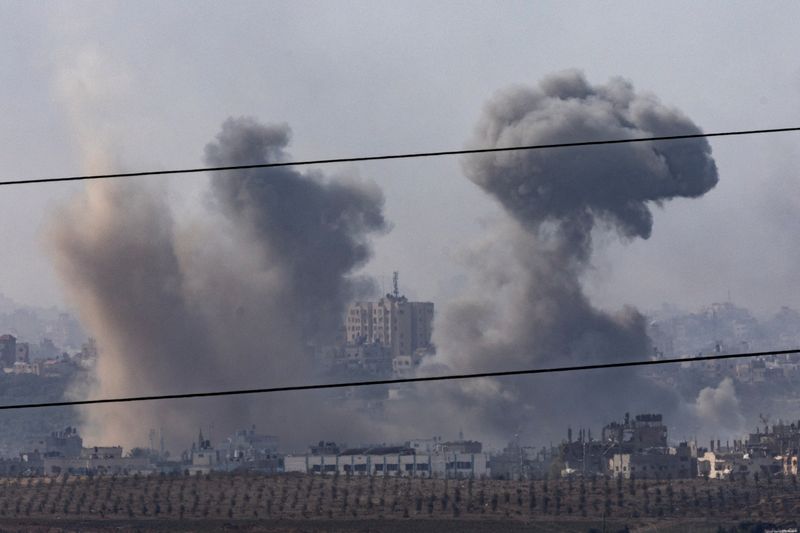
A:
x: 230, y: 301
x: 532, y: 311
x: 316, y: 232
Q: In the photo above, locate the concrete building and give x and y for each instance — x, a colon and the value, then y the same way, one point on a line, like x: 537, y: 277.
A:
x: 98, y: 460
x: 248, y: 445
x: 638, y: 434
x: 67, y: 443
x: 368, y: 359
x: 248, y: 450
x: 402, y: 326
x: 516, y: 461
x: 670, y: 463
x: 203, y: 458
x: 403, y: 366
x: 391, y: 461
x: 780, y: 439
x: 63, y: 452
x: 635, y: 447
x: 723, y: 465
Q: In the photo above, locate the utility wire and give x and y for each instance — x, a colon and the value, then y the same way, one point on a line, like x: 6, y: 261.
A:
x: 394, y: 156
x: 448, y: 377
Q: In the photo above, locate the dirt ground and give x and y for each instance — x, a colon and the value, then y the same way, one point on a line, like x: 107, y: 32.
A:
x: 298, y: 503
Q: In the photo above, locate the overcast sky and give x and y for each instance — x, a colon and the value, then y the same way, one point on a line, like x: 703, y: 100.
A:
x: 154, y: 81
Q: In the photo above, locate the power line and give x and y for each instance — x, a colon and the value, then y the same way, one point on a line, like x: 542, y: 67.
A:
x: 393, y: 156
x: 448, y: 377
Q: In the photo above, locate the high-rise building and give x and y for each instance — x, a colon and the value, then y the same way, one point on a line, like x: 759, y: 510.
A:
x: 392, y: 321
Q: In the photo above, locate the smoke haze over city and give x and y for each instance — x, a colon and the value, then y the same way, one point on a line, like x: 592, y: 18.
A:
x: 245, y: 294
x: 538, y: 258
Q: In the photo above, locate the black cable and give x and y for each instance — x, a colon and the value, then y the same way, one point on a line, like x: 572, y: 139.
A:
x: 393, y: 156
x: 448, y: 377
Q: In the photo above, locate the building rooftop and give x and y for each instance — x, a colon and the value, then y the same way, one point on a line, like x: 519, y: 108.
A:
x: 380, y: 450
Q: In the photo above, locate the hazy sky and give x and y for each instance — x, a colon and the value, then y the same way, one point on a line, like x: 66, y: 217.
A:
x: 151, y: 82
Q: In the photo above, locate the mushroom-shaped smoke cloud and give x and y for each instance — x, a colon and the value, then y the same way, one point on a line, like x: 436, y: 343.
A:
x: 534, y: 311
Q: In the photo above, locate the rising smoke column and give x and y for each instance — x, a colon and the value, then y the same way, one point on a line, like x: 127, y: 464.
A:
x: 314, y: 231
x: 114, y: 248
x: 231, y: 301
x: 533, y: 311
x: 719, y: 408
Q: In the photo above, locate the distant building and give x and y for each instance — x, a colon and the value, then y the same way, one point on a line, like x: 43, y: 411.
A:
x: 522, y: 462
x: 403, y: 366
x: 204, y: 458
x: 781, y: 439
x: 249, y: 445
x: 635, y: 447
x: 672, y: 463
x: 248, y: 450
x: 437, y: 445
x: 740, y: 464
x: 67, y: 443
x: 390, y: 461
x: 402, y: 326
x: 63, y: 452
x: 324, y: 448
x: 370, y: 359
x: 643, y: 432
x: 23, y: 353
x: 98, y: 460
x: 8, y: 350
x: 47, y: 349
x: 21, y: 367
x: 462, y: 446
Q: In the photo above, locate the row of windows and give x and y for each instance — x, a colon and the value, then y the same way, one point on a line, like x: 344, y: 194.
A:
x: 328, y: 468
x: 391, y: 467
x: 633, y: 468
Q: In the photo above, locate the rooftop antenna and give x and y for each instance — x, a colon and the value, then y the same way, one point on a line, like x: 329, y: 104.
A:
x: 395, y: 280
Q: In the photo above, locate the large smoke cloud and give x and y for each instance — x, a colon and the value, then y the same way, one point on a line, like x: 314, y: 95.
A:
x: 232, y: 301
x: 533, y: 311
x: 235, y: 300
x: 314, y: 231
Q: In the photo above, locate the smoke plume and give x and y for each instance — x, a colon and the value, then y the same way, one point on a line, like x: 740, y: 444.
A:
x: 717, y: 408
x: 533, y: 311
x: 315, y: 232
x: 227, y: 302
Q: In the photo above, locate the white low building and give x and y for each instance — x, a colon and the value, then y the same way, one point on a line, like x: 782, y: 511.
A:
x: 391, y: 461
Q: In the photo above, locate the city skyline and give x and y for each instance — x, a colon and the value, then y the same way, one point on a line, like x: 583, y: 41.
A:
x: 636, y: 231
